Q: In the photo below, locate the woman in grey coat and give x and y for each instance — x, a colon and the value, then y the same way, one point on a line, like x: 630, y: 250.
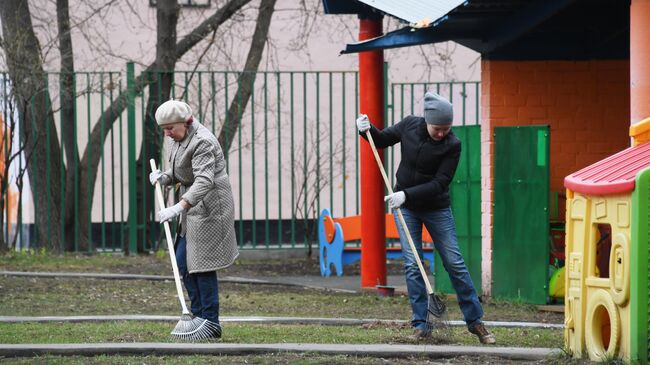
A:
x: 206, y: 241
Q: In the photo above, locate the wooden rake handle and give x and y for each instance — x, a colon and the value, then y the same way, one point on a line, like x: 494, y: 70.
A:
x: 399, y: 214
x: 170, y: 243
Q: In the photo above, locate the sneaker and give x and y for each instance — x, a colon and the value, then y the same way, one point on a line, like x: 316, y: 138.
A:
x: 483, y: 334
x: 419, y: 334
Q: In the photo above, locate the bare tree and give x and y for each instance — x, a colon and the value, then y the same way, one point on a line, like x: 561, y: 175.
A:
x: 25, y: 64
x: 72, y: 168
x: 439, y: 58
x: 68, y: 128
x: 245, y: 81
x: 159, y: 91
x: 315, y: 178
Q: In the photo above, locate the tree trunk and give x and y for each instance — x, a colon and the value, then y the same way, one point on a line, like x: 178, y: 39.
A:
x: 38, y: 131
x: 159, y: 90
x: 245, y: 81
x: 67, y: 92
x: 35, y: 115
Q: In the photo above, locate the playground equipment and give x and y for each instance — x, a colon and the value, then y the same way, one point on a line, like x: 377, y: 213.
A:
x: 607, y: 244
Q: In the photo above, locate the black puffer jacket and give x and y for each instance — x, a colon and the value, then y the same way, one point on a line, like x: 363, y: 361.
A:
x: 427, y: 166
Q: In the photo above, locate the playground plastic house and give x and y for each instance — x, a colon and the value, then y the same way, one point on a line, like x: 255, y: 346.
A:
x: 607, y: 253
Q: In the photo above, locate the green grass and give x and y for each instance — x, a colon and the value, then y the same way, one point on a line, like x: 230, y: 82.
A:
x: 25, y: 296
x: 136, y: 296
x: 134, y: 331
x: 102, y: 263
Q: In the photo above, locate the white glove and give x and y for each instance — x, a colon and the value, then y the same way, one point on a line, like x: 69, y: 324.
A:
x: 363, y: 123
x: 395, y: 200
x: 169, y: 213
x: 155, y: 176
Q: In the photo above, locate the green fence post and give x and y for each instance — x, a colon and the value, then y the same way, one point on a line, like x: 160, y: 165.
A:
x: 132, y: 224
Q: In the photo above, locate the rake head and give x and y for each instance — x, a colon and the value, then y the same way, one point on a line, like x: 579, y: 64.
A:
x: 195, y: 328
x: 436, y: 306
x: 436, y: 310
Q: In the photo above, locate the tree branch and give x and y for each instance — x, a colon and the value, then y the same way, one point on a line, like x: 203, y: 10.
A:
x: 90, y: 159
x: 247, y: 77
x: 209, y: 25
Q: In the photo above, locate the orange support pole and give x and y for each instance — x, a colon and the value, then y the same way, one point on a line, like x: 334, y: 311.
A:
x: 639, y: 60
x: 371, y: 99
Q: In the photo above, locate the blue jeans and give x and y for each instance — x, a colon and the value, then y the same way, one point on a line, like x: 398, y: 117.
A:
x: 441, y: 227
x: 202, y: 288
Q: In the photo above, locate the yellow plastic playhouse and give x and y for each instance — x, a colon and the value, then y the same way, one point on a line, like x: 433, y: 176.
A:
x: 607, y: 259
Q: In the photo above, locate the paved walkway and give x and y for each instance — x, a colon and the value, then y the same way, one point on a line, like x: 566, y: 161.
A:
x: 259, y: 319
x: 378, y: 350
x: 337, y: 283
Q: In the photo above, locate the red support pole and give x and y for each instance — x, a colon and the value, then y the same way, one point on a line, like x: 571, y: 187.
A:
x: 639, y: 60
x: 371, y: 99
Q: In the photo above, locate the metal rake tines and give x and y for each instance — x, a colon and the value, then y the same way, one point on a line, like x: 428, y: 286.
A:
x: 437, y: 315
x: 196, y: 328
x: 436, y: 307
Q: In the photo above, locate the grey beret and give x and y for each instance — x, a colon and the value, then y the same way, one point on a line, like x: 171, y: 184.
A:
x: 173, y: 111
x: 437, y: 110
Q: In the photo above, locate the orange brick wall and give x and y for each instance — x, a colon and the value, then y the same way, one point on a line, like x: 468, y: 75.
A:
x: 586, y: 104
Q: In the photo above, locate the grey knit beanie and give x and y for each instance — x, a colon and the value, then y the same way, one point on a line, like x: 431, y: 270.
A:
x: 437, y: 110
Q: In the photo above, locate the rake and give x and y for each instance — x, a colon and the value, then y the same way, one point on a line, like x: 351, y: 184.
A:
x: 188, y: 327
x: 435, y: 307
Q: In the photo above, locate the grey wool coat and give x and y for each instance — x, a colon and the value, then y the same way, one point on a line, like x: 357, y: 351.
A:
x: 198, y: 165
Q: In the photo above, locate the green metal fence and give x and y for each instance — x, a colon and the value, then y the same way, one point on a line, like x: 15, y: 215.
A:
x: 294, y: 153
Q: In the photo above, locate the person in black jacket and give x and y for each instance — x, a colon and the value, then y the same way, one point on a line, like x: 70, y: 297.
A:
x: 430, y: 155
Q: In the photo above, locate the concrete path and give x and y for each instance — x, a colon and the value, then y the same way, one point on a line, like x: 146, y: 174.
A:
x: 260, y: 319
x: 111, y: 276
x: 374, y: 350
x: 348, y: 284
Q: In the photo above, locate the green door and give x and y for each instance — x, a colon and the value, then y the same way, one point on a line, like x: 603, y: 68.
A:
x: 465, y: 193
x: 520, y: 242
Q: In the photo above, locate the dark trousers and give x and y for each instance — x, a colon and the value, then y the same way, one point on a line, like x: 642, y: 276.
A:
x: 203, y: 287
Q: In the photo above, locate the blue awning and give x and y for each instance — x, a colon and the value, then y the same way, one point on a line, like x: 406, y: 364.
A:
x: 507, y: 29
x: 400, y: 38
